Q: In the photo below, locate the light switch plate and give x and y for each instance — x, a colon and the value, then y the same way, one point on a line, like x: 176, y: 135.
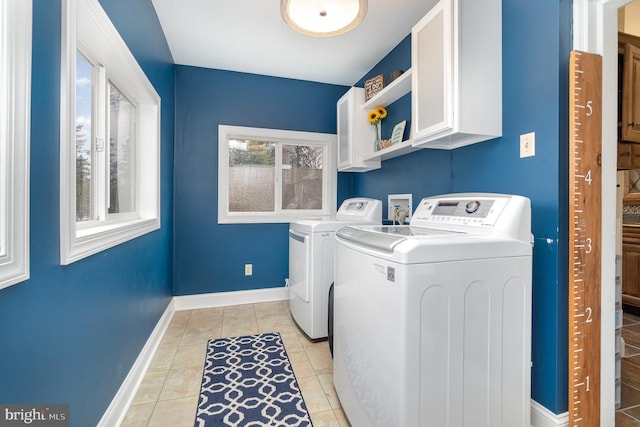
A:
x: 528, y: 144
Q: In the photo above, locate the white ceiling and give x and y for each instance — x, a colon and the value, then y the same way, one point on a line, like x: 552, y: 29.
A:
x: 250, y: 36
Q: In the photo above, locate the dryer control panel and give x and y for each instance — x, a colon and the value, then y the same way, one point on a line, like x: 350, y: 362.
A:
x: 360, y: 208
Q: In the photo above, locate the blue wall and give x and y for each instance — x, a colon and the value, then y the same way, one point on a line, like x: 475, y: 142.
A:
x: 536, y: 45
x: 210, y: 257
x: 535, y: 99
x: 71, y: 333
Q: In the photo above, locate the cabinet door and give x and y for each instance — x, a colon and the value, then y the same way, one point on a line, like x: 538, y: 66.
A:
x: 631, y: 265
x: 631, y: 94
x: 344, y: 146
x: 432, y: 65
x: 631, y: 270
x: 628, y: 156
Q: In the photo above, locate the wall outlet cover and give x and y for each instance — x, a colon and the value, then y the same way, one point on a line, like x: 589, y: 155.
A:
x: 528, y: 144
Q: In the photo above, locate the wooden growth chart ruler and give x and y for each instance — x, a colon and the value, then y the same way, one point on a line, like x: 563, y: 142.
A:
x: 585, y: 219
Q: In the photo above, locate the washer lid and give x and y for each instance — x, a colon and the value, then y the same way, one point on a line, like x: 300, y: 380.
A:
x: 418, y: 245
x: 385, y: 238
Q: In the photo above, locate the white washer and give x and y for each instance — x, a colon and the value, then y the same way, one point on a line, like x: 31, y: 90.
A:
x: 311, y: 247
x: 432, y: 322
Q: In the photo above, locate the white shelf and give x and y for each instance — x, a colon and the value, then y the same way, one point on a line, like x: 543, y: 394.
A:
x: 396, y: 150
x: 391, y: 93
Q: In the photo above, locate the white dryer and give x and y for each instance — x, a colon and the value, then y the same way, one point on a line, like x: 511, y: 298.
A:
x: 311, y: 267
x: 432, y: 322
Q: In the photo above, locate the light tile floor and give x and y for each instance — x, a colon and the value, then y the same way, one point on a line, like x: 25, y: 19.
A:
x: 168, y: 395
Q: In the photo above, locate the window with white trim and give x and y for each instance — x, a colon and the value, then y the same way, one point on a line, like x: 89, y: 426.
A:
x: 15, y: 101
x: 270, y: 175
x: 105, y: 147
x: 110, y: 138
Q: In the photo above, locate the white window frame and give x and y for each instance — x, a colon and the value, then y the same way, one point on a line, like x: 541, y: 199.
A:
x: 329, y: 197
x: 86, y: 24
x: 15, y: 108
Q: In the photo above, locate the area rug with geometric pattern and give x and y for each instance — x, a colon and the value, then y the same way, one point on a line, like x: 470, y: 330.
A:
x: 248, y: 381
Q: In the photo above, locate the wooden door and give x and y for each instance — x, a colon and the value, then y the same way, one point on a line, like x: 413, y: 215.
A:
x: 631, y: 94
x: 631, y: 265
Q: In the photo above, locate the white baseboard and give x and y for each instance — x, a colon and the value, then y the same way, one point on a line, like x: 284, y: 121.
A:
x: 542, y: 417
x: 219, y: 299
x: 117, y: 410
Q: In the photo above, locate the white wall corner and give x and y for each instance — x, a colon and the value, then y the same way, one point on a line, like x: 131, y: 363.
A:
x: 117, y: 410
x: 542, y: 417
x: 581, y: 14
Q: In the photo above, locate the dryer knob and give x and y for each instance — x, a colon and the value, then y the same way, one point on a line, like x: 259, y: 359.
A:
x: 472, y: 206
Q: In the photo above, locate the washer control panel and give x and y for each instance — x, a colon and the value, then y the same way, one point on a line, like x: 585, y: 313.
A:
x: 474, y: 210
x: 462, y: 208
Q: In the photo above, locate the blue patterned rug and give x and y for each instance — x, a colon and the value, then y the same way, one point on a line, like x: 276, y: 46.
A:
x: 248, y: 381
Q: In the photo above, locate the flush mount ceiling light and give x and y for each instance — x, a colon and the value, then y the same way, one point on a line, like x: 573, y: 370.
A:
x: 323, y: 18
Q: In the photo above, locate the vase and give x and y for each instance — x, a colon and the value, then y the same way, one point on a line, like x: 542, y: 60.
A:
x: 376, y: 141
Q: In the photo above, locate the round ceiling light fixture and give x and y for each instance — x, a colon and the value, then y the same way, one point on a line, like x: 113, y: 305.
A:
x: 323, y: 18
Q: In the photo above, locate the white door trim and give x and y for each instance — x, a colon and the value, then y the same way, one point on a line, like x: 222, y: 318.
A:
x: 595, y: 30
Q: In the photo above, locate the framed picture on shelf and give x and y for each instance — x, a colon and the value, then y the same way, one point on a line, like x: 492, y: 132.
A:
x: 373, y: 86
x: 398, y: 131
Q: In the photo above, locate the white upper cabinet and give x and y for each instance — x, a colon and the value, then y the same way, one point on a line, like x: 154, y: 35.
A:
x: 457, y: 74
x: 355, y: 134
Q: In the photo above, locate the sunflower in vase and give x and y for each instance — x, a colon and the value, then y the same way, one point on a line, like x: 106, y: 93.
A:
x: 375, y: 116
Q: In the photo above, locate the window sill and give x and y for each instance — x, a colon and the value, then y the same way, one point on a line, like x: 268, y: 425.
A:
x: 12, y: 272
x: 267, y: 219
x: 95, y: 239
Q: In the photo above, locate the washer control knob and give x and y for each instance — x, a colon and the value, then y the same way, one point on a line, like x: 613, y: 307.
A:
x: 472, y: 206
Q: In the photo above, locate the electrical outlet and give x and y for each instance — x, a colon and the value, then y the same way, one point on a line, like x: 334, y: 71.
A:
x: 528, y: 144
x: 248, y: 269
